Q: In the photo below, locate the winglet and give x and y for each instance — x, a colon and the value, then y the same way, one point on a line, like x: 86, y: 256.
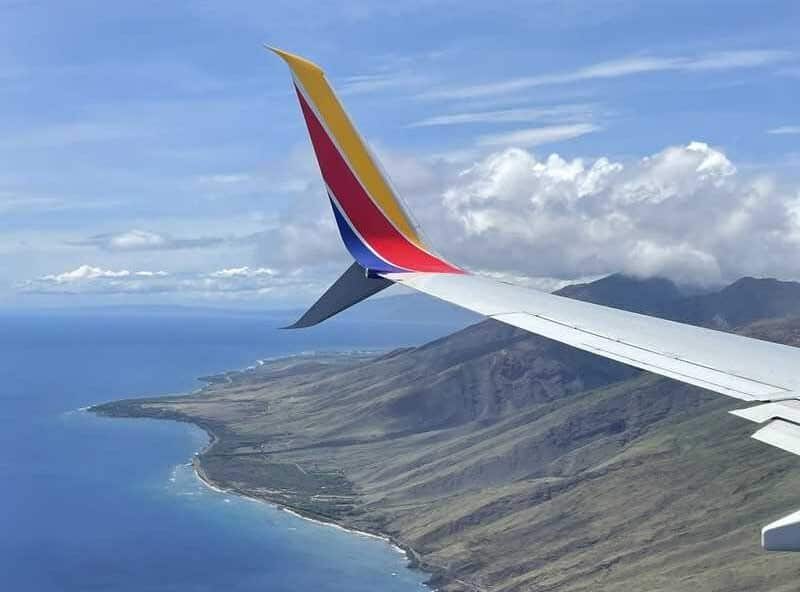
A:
x: 352, y: 287
x: 372, y: 221
x: 295, y: 62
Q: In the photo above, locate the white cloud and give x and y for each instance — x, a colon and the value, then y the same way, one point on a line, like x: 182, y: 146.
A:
x: 146, y: 240
x: 225, y: 179
x: 536, y: 136
x: 245, y: 281
x: 684, y: 212
x: 380, y: 82
x: 245, y: 271
x: 628, y: 66
x: 305, y: 237
x: 507, y: 116
x: 725, y: 60
x: 136, y: 239
x: 85, y: 272
x: 785, y: 130
x: 546, y: 284
x: 394, y: 71
x: 150, y: 273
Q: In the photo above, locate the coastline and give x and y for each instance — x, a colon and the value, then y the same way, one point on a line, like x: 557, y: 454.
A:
x: 135, y: 408
x: 202, y: 476
x: 207, y: 482
x: 504, y: 460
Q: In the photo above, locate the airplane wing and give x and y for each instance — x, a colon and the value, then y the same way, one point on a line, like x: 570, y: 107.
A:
x: 388, y: 248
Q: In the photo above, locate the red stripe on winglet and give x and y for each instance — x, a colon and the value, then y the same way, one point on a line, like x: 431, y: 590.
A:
x: 367, y: 218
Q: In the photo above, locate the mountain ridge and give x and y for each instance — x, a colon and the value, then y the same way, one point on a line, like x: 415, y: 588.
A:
x: 510, y: 462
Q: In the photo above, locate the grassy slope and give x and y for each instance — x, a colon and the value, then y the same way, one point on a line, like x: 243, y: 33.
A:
x: 508, y: 462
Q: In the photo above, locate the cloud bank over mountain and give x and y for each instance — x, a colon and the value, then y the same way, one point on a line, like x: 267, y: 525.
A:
x: 685, y: 212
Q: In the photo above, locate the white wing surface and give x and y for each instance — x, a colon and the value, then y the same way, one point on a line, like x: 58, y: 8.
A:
x: 740, y: 367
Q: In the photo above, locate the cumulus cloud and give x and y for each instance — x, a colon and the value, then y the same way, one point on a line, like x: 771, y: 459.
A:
x: 302, y: 240
x: 87, y: 272
x: 242, y: 281
x: 684, y: 212
x: 145, y: 240
x: 243, y: 272
x: 135, y: 240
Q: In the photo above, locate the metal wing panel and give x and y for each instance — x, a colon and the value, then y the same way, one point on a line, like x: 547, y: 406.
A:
x: 740, y: 367
x: 787, y: 410
x: 781, y: 434
x: 652, y: 361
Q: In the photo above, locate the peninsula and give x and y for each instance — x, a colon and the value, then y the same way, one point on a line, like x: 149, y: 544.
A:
x: 503, y: 461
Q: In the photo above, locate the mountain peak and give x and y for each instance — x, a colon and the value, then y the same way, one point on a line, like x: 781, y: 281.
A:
x: 746, y: 300
x: 645, y: 295
x: 754, y: 283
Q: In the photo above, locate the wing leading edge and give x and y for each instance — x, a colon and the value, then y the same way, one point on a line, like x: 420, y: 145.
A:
x: 740, y: 367
x: 379, y: 234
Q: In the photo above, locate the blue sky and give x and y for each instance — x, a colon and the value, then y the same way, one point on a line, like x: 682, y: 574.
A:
x: 152, y: 152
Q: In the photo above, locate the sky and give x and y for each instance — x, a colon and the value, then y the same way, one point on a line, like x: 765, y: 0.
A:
x: 153, y: 152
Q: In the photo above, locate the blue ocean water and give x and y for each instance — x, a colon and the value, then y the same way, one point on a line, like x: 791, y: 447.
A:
x: 89, y: 503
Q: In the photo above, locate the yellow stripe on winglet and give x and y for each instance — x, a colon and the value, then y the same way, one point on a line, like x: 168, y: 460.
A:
x: 366, y: 170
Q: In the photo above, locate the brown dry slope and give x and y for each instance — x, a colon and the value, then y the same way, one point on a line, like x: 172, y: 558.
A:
x: 509, y: 462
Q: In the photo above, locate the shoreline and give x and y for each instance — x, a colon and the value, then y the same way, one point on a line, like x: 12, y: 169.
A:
x: 298, y: 514
x: 412, y: 559
x: 435, y: 575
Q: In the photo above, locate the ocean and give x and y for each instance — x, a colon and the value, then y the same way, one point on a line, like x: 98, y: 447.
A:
x: 90, y: 503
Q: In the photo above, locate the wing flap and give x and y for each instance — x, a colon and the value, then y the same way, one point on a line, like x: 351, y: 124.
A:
x: 781, y: 434
x: 787, y: 410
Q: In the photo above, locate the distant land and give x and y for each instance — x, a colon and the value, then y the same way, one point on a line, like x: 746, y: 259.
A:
x: 408, y: 308
x: 504, y: 461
